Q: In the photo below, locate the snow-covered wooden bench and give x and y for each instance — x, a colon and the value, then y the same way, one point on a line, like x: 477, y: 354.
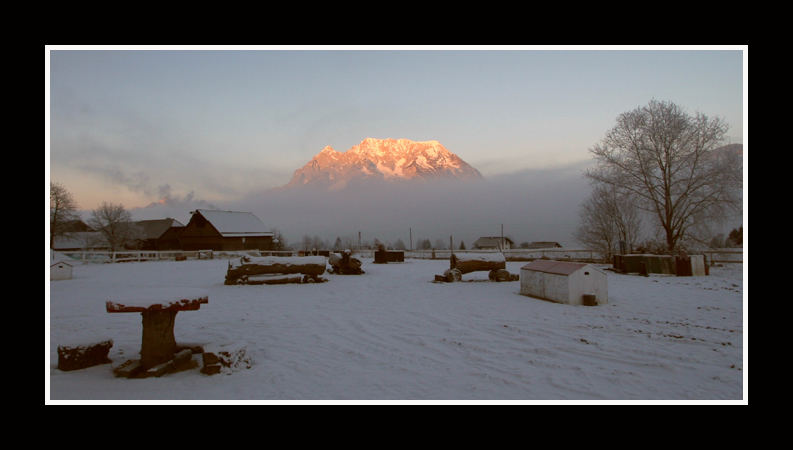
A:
x: 158, y: 306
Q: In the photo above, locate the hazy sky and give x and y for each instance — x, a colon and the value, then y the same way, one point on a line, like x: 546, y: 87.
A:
x: 139, y: 126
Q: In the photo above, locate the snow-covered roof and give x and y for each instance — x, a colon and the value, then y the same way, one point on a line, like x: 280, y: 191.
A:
x: 555, y: 267
x: 235, y: 223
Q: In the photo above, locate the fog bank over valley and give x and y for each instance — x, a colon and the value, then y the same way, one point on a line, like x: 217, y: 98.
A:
x: 533, y: 205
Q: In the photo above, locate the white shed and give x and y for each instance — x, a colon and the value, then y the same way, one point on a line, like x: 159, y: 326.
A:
x: 60, y: 270
x: 563, y: 281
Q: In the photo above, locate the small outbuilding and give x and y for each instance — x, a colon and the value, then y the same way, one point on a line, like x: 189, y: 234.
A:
x: 564, y: 282
x: 60, y: 270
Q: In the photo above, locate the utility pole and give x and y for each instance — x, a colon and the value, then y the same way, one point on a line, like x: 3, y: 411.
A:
x: 502, y: 237
x: 411, y: 239
x: 359, y: 241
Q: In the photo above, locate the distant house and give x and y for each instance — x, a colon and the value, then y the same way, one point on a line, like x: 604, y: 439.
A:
x: 225, y: 230
x: 73, y: 235
x: 493, y: 242
x: 79, y: 241
x: 158, y: 234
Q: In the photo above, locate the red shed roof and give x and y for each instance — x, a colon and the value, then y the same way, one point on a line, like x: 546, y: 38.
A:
x: 556, y: 267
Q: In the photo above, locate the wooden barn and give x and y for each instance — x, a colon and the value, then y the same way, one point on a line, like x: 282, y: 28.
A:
x: 225, y: 230
x: 158, y: 234
x: 564, y: 282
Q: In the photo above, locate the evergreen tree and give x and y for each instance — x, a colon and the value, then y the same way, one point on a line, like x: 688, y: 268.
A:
x: 399, y: 245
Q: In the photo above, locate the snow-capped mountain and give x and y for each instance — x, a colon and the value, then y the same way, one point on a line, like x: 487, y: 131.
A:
x: 382, y: 159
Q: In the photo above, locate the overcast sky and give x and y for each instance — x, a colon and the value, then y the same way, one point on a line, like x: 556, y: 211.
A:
x: 194, y: 128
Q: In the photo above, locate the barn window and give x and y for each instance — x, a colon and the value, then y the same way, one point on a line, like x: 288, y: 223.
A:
x: 586, y: 273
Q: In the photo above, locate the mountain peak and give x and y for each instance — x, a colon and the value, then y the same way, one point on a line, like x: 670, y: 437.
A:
x: 383, y: 159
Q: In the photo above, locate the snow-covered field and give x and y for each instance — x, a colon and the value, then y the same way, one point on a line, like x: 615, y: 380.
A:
x: 392, y: 334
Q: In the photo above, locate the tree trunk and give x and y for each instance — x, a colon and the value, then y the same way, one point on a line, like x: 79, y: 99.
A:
x: 158, y: 344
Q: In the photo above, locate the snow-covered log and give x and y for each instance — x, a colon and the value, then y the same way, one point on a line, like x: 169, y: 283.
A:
x: 474, y: 262
x: 249, y: 266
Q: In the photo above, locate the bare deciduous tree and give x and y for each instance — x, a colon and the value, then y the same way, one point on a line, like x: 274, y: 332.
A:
x: 608, y: 217
x: 63, y: 209
x: 665, y: 160
x: 115, y: 224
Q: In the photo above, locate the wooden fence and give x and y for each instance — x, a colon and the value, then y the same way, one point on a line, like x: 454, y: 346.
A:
x: 578, y: 255
x: 581, y: 255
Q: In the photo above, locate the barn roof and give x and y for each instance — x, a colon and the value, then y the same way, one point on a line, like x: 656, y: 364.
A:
x: 235, y: 223
x: 555, y: 267
x: 153, y: 229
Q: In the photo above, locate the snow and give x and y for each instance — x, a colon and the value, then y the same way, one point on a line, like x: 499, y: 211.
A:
x: 392, y: 335
x: 282, y: 260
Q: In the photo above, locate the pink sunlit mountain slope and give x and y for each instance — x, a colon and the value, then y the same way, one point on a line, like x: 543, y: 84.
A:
x: 382, y: 159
